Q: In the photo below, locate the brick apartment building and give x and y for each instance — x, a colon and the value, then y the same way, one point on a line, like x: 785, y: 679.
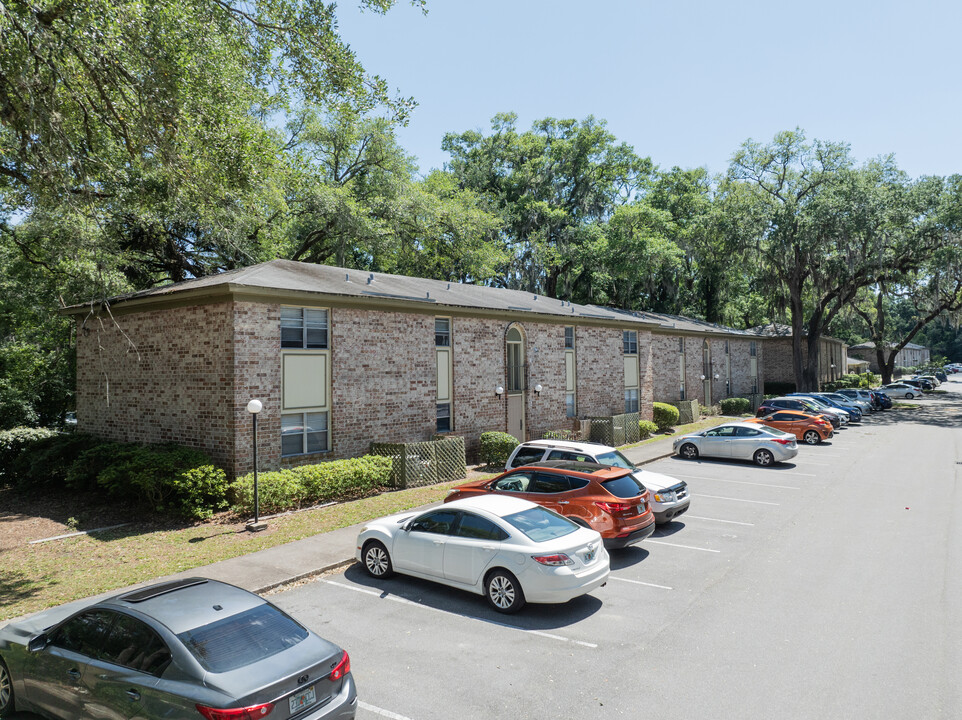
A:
x: 832, y: 355
x: 340, y: 358
x: 911, y: 356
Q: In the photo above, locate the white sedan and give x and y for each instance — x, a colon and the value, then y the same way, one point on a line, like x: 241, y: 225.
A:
x: 741, y: 441
x: 507, y: 549
x: 902, y: 390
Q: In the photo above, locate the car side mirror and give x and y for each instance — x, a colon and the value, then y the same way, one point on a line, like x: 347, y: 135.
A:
x: 37, y: 643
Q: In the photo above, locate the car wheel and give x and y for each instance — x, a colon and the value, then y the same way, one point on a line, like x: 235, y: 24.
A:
x: 908, y: 395
x: 688, y: 451
x: 6, y: 691
x: 812, y: 437
x: 764, y: 457
x: 377, y: 562
x: 502, y: 591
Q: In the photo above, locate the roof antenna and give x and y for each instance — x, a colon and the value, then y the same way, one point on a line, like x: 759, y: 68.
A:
x: 370, y: 279
x: 347, y: 277
x: 428, y: 295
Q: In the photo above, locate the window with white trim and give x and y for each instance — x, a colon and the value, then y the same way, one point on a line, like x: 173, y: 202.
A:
x: 305, y: 381
x: 571, y: 383
x: 445, y: 391
x: 681, y: 368
x: 632, y: 376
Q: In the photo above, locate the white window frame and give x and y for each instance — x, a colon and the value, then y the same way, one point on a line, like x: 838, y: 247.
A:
x: 297, y: 413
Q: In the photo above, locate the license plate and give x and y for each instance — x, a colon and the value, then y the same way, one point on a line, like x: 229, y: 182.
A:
x: 302, y: 700
x: 640, y: 510
x: 589, y: 556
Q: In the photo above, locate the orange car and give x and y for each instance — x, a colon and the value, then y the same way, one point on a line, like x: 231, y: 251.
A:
x: 606, y: 499
x: 811, y: 429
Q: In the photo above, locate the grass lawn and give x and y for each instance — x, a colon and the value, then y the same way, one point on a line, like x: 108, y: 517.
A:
x: 706, y: 422
x: 37, y: 576
x: 34, y: 577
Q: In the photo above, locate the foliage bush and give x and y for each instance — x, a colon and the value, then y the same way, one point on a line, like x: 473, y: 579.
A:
x: 307, y: 485
x: 664, y: 415
x: 50, y: 459
x: 708, y: 410
x: 166, y: 478
x: 15, y: 442
x: 496, y: 447
x: 646, y: 428
x: 736, y: 406
x: 571, y: 435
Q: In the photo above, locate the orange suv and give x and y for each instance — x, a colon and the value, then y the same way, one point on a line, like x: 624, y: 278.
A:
x: 606, y: 499
x: 804, y: 426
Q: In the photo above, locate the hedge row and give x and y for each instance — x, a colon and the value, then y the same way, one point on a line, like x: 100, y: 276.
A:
x: 496, y: 447
x: 169, y: 479
x: 308, y: 485
x: 735, y: 406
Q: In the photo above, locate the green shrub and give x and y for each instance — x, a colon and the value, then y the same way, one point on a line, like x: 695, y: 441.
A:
x: 735, y: 406
x: 15, y: 442
x: 50, y: 459
x: 166, y: 478
x: 309, y: 484
x: 646, y: 428
x: 496, y: 447
x: 83, y: 473
x: 664, y: 415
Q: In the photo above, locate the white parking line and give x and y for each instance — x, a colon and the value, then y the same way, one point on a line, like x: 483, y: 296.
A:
x: 638, y: 582
x: 731, y: 522
x: 756, y: 502
x: 381, y: 711
x: 687, y: 547
x: 811, y: 463
x: 405, y: 601
x: 742, y: 482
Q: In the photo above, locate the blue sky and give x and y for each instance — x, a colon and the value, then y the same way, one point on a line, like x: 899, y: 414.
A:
x: 684, y: 83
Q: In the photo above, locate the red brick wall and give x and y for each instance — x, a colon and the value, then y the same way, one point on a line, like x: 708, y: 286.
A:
x: 601, y: 371
x: 159, y: 376
x: 666, y: 376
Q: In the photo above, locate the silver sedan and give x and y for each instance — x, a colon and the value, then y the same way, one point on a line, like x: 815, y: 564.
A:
x: 740, y: 441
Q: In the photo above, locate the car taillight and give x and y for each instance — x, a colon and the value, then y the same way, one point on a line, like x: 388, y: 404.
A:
x: 783, y: 441
x: 614, y: 507
x: 248, y: 713
x: 342, y: 668
x: 553, y: 560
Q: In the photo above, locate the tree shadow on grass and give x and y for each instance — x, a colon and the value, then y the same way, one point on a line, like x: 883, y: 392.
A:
x: 16, y: 587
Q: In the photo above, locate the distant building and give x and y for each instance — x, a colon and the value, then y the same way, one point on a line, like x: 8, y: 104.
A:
x: 779, y: 366
x: 910, y: 356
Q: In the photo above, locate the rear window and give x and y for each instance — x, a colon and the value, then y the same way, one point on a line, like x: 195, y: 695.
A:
x: 623, y: 487
x: 242, y: 639
x: 540, y: 524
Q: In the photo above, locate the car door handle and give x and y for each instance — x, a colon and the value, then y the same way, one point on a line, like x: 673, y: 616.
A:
x: 439, y: 542
x: 488, y: 548
x: 74, y: 673
x: 133, y: 695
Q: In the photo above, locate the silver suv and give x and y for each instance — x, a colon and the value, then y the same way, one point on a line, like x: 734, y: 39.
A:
x: 669, y: 497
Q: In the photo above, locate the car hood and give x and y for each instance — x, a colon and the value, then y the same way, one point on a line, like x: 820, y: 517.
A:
x: 655, y: 481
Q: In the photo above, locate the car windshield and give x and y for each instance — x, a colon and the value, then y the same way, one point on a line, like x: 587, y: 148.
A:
x: 616, y: 459
x: 540, y: 524
x: 242, y: 639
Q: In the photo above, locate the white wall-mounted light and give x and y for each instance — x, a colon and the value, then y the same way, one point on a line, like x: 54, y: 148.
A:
x: 702, y: 377
x: 538, y: 389
x: 716, y: 376
x: 499, y: 391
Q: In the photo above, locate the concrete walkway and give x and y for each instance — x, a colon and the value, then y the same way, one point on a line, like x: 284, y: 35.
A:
x: 267, y: 569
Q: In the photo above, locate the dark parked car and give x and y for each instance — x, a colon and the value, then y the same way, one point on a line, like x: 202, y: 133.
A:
x: 175, y: 650
x: 785, y: 403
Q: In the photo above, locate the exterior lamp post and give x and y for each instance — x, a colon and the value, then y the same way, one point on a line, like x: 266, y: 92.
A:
x: 254, y: 407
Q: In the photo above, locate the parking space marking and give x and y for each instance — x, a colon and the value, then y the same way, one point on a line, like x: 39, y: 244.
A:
x: 381, y: 711
x: 743, y: 482
x: 731, y: 522
x: 405, y: 601
x: 638, y: 582
x: 687, y: 547
x: 756, y: 502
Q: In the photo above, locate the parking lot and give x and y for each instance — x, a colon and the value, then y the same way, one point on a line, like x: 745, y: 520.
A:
x: 823, y: 587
